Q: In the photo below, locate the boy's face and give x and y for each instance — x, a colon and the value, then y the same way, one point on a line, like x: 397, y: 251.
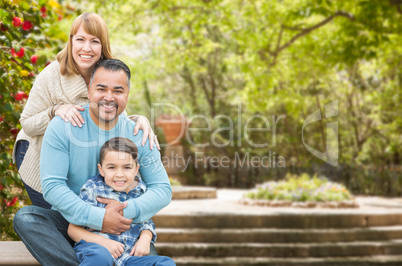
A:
x: 119, y: 170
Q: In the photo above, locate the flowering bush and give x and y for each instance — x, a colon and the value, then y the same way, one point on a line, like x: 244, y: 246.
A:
x: 27, y: 29
x: 174, y: 182
x: 301, y: 188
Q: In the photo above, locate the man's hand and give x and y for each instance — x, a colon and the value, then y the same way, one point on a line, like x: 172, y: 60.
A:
x: 114, y: 222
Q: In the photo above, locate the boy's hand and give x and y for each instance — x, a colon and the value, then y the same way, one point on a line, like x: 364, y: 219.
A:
x: 115, y: 248
x: 141, y: 248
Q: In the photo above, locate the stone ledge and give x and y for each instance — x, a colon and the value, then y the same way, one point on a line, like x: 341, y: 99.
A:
x: 307, y: 204
x: 15, y: 253
x: 185, y: 192
x: 325, y: 261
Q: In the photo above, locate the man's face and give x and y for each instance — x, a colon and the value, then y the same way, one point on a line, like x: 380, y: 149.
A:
x: 108, y: 96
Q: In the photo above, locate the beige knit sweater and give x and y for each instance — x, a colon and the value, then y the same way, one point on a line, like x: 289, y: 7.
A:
x: 50, y: 88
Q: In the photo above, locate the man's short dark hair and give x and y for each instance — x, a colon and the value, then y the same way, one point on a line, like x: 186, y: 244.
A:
x: 112, y: 65
x: 121, y: 145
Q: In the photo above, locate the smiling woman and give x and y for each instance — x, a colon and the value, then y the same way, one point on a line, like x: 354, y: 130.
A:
x: 88, y: 42
x: 87, y: 50
x: 61, y: 89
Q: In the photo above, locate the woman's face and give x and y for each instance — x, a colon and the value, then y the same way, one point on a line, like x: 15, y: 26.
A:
x: 87, y: 50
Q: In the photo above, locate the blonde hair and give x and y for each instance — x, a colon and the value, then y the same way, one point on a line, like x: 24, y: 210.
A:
x: 92, y: 24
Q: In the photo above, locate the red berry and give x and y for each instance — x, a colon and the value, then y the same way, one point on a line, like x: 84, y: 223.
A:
x: 20, y: 95
x: 34, y: 58
x: 1, y: 120
x: 60, y: 17
x: 27, y: 25
x: 31, y: 74
x: 14, y: 200
x: 13, y: 53
x: 1, y: 187
x: 21, y: 52
x: 3, y: 27
x: 47, y: 63
x: 14, y: 131
x: 12, y: 203
x: 43, y: 10
x: 16, y: 21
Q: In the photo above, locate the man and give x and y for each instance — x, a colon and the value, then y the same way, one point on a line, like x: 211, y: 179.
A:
x: 69, y: 157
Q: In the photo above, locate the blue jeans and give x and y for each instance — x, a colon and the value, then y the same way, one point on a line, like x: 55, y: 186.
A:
x: 35, y: 196
x: 90, y: 254
x: 44, y: 233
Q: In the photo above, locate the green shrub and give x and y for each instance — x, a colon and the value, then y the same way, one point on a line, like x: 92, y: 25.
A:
x: 301, y: 188
x: 28, y: 34
x: 174, y: 182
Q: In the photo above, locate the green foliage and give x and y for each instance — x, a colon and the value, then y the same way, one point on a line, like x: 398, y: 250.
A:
x: 26, y: 37
x: 174, y: 182
x: 301, y: 188
x: 277, y: 58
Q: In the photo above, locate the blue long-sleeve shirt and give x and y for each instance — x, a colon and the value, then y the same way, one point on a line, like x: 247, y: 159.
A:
x: 69, y: 157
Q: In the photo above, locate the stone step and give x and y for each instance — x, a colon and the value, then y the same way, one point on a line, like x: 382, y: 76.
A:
x: 15, y: 253
x: 302, y: 250
x: 265, y: 235
x: 327, y: 261
x: 186, y: 192
x: 277, y: 220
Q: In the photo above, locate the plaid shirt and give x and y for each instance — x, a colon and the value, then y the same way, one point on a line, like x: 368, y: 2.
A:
x: 96, y: 187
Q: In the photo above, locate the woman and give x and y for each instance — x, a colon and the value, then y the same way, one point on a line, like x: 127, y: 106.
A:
x: 61, y: 89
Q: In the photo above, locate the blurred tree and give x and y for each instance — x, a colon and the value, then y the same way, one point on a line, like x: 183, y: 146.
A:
x: 277, y: 58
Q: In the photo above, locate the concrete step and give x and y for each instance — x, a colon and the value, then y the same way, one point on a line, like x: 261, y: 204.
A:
x: 302, y: 250
x: 15, y: 253
x: 277, y: 220
x: 266, y: 235
x: 186, y: 192
x: 328, y: 261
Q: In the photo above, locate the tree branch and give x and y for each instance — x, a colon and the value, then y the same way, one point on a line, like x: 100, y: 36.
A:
x: 398, y: 4
x: 310, y: 29
x: 399, y: 9
x: 204, y: 87
x: 367, y: 132
x: 303, y: 31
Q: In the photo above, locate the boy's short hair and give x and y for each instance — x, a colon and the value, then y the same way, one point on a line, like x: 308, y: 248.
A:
x: 121, y: 145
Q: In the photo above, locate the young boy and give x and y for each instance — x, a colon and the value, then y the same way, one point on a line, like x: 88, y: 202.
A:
x: 118, y: 180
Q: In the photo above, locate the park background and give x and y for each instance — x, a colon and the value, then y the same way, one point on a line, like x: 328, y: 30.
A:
x: 207, y: 58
